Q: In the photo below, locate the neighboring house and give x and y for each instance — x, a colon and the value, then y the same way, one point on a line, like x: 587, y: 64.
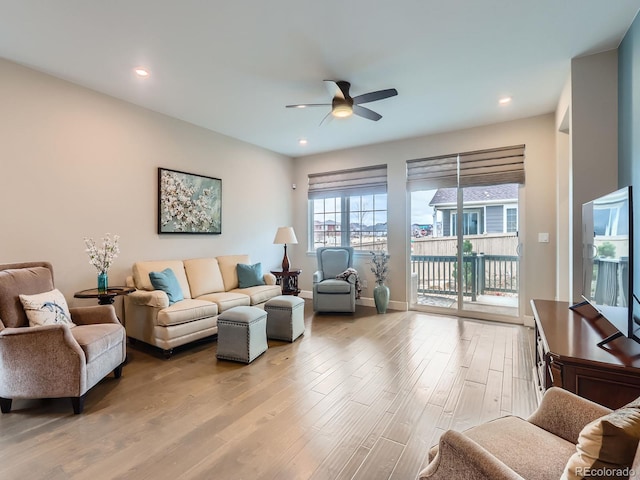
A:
x: 487, y: 209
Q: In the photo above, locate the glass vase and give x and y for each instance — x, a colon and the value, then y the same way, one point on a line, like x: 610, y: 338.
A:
x: 103, y: 282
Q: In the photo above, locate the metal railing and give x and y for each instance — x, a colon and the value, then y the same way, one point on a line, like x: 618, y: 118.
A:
x: 438, y: 274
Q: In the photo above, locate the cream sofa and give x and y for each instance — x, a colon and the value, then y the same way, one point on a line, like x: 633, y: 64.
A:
x: 209, y: 287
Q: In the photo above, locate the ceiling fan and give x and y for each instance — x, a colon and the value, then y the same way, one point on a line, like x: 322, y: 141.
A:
x: 343, y: 105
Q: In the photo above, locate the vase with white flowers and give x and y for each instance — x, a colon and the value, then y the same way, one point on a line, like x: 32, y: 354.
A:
x: 380, y: 268
x: 102, y: 257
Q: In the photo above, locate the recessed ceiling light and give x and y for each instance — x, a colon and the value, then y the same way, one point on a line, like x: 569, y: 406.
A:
x: 302, y: 141
x: 301, y: 106
x: 141, y: 72
x: 505, y: 100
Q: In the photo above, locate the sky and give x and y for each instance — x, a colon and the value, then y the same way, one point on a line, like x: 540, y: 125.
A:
x: 421, y: 212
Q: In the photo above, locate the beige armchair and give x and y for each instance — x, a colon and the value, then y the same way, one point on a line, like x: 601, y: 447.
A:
x: 53, y: 361
x: 513, y: 448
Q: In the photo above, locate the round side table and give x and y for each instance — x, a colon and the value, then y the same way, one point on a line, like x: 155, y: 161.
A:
x: 104, y: 298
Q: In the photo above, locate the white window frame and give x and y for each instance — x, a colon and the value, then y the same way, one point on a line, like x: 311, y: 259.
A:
x: 505, y: 225
x: 345, y: 217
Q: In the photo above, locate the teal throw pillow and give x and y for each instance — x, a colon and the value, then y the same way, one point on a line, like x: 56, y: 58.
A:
x: 167, y: 282
x: 249, y: 275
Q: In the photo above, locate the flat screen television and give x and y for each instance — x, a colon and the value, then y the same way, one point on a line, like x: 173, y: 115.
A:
x: 607, y: 253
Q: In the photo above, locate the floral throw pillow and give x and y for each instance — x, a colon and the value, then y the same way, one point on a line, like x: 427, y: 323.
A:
x: 49, y: 308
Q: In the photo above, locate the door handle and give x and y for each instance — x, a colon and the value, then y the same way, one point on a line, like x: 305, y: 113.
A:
x: 519, y: 250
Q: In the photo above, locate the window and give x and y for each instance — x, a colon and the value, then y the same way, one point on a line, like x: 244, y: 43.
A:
x: 359, y: 221
x: 512, y: 219
x: 469, y: 223
x: 349, y: 208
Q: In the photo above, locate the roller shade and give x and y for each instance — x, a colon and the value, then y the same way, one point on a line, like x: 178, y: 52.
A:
x: 355, y: 181
x: 482, y: 167
x: 433, y: 172
x: 492, y: 167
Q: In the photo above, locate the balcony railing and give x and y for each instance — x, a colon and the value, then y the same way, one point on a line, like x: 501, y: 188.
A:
x: 438, y: 274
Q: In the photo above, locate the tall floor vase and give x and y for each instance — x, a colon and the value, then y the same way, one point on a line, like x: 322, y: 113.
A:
x: 381, y: 297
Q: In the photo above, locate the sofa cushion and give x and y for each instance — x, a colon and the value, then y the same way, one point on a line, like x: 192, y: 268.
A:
x: 249, y: 275
x: 610, y: 442
x: 48, y: 308
x: 167, y: 282
x: 98, y: 338
x: 259, y: 293
x: 227, y: 300
x: 228, y: 269
x: 333, y: 285
x: 141, y: 272
x: 204, y: 276
x: 186, y: 310
x: 16, y: 281
x: 523, y: 447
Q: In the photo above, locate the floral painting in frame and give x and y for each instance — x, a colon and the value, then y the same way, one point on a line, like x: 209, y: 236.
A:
x: 189, y: 203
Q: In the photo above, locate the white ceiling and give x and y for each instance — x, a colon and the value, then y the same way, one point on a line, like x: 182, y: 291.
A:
x: 232, y: 66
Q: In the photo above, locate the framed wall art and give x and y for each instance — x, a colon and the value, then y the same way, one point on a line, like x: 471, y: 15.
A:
x: 189, y: 203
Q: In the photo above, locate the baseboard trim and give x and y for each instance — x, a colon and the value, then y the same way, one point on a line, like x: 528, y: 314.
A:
x: 529, y: 321
x: 365, y: 301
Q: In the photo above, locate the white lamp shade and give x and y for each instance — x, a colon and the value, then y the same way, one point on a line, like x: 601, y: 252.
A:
x: 285, y: 235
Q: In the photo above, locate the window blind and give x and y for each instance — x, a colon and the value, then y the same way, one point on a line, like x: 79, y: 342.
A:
x: 365, y: 180
x: 433, y: 172
x: 492, y: 167
x: 483, y: 167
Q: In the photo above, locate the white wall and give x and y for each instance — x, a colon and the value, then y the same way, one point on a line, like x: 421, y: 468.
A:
x: 76, y: 163
x: 563, y: 193
x: 538, y: 198
x: 594, y: 141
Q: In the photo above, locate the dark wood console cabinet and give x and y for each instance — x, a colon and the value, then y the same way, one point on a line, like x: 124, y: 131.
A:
x: 567, y: 355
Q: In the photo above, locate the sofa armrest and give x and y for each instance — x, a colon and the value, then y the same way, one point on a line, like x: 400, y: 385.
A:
x: 565, y: 414
x: 93, y: 315
x: 269, y: 279
x: 318, y: 276
x: 154, y: 298
x: 460, y: 457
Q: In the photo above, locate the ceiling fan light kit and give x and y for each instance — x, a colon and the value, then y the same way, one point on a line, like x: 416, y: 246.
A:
x: 342, y: 110
x: 343, y: 105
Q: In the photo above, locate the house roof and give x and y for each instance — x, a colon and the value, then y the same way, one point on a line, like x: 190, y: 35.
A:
x: 231, y: 67
x: 489, y: 194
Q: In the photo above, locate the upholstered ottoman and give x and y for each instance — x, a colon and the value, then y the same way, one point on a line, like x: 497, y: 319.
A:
x: 242, y: 334
x: 285, y: 317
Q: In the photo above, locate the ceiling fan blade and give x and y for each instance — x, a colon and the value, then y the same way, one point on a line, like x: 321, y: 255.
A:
x: 366, y: 113
x: 305, y: 105
x: 373, y: 96
x: 338, y: 88
x: 324, y: 119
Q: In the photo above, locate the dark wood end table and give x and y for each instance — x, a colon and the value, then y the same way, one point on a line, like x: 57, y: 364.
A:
x: 288, y: 280
x: 104, y: 298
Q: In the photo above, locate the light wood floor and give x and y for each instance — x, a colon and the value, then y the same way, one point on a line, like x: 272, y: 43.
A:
x: 360, y: 397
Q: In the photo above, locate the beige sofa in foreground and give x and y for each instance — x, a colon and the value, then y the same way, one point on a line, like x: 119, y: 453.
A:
x: 209, y: 287
x: 568, y: 437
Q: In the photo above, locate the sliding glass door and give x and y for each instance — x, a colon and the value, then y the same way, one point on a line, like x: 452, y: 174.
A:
x: 464, y: 244
x: 464, y: 220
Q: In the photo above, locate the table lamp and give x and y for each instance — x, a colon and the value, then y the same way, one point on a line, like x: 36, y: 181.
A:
x: 285, y: 235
